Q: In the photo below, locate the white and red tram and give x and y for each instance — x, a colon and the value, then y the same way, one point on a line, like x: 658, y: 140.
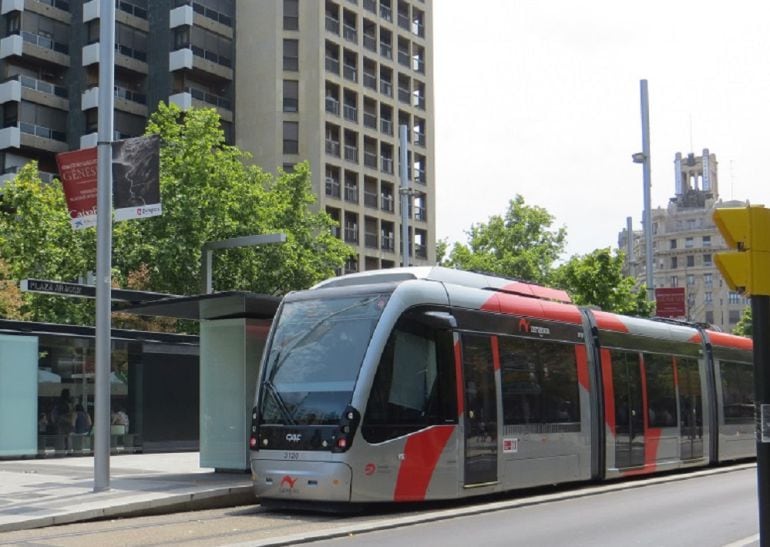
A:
x: 430, y: 383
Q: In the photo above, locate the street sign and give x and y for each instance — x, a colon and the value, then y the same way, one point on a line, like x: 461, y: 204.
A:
x: 670, y: 302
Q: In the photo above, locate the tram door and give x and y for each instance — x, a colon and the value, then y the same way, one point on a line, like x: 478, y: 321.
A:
x: 629, y: 416
x: 480, y: 411
x: 690, y: 410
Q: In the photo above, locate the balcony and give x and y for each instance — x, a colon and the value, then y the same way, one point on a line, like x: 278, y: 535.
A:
x: 404, y: 58
x: 370, y: 160
x: 195, y: 58
x: 190, y: 97
x: 333, y: 148
x: 386, y: 88
x: 421, y: 251
x: 332, y: 106
x: 36, y: 46
x: 351, y: 193
x: 350, y: 113
x: 10, y: 137
x: 42, y: 137
x: 404, y: 22
x: 351, y: 234
x: 370, y: 5
x: 332, y: 187
x: 388, y: 243
x: 387, y: 203
x: 404, y: 95
x: 350, y: 33
x: 370, y: 42
x: 386, y: 50
x: 419, y: 138
x: 332, y: 25
x: 351, y: 154
x: 387, y: 165
x: 370, y: 240
x: 10, y: 91
x: 332, y: 65
x: 349, y: 72
x: 386, y: 13
x: 421, y: 214
x: 419, y: 176
x: 370, y: 199
x: 386, y: 126
x: 370, y: 80
x: 418, y: 64
x: 370, y: 120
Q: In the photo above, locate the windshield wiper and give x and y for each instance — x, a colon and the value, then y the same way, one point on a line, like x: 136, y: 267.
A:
x: 279, y: 402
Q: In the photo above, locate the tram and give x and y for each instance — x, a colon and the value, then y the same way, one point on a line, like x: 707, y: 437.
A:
x: 430, y: 383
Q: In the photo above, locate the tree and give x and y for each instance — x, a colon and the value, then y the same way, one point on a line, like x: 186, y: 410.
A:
x: 521, y: 244
x: 596, y: 279
x: 210, y: 194
x: 745, y: 326
x: 36, y: 241
x: 10, y: 296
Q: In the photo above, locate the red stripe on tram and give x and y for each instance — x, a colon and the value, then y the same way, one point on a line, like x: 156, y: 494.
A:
x: 495, y: 353
x: 609, y: 390
x: 421, y: 454
x: 459, y: 379
x: 582, y: 367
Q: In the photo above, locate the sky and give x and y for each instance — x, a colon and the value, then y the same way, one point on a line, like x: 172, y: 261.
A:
x: 542, y: 98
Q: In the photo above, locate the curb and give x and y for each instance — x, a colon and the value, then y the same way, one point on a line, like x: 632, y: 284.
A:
x: 193, y: 501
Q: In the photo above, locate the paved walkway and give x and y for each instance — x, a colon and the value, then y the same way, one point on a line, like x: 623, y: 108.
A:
x: 43, y: 492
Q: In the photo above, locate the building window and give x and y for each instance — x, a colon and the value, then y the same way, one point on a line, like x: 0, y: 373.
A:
x: 690, y: 279
x: 674, y: 280
x: 707, y: 297
x: 290, y: 138
x: 708, y: 280
x: 673, y: 263
x: 291, y: 55
x: 690, y: 261
x: 707, y: 241
x: 707, y: 259
x: 734, y: 298
x: 734, y: 316
x: 710, y: 317
x: 689, y: 242
x: 290, y: 14
x: 290, y: 95
x: 672, y: 244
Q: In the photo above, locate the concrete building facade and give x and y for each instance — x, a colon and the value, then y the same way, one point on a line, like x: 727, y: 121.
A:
x: 685, y: 240
x: 325, y: 81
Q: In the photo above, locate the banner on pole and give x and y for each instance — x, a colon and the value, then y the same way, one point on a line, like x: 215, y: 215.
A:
x: 135, y: 180
x: 77, y: 170
x: 136, y: 177
x: 670, y: 302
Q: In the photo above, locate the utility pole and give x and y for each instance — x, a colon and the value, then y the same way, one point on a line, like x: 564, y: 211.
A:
x: 647, y: 188
x: 405, y: 194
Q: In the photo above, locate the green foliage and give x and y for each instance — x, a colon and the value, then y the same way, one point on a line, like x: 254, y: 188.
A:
x: 210, y: 194
x: 596, y: 279
x: 745, y: 326
x: 37, y: 242
x: 521, y: 244
x: 442, y: 247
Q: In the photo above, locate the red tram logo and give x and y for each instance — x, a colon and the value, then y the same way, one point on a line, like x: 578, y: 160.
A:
x: 288, y: 481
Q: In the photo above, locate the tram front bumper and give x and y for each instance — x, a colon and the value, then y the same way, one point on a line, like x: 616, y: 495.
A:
x: 301, y: 480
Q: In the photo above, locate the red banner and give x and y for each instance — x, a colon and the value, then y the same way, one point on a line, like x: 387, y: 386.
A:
x: 670, y: 302
x: 77, y: 170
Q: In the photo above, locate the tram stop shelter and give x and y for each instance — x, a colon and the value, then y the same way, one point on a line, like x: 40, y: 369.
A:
x: 233, y: 331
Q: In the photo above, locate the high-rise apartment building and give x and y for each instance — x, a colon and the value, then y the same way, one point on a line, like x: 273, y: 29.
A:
x: 325, y: 81
x: 685, y: 239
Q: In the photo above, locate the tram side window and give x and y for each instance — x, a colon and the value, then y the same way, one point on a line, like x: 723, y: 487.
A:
x: 539, y: 382
x: 737, y: 392
x: 661, y: 391
x: 414, y: 385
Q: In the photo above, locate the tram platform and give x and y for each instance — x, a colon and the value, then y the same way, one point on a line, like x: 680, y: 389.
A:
x: 42, y: 492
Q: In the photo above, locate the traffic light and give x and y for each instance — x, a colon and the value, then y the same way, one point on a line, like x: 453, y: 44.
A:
x: 746, y: 229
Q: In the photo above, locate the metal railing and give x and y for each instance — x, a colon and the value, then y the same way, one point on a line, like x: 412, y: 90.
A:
x: 332, y: 25
x: 370, y: 160
x: 387, y: 165
x: 386, y: 50
x: 386, y: 126
x: 42, y: 131
x: 386, y: 13
x: 333, y: 147
x: 350, y: 72
x: 370, y: 42
x: 388, y: 243
x: 351, y: 154
x: 332, y: 187
x: 386, y: 88
x: 387, y: 203
x: 44, y: 42
x: 370, y: 80
x: 370, y: 120
x: 333, y: 105
x: 351, y: 193
x: 351, y: 234
x: 370, y: 240
x: 333, y: 65
x: 370, y: 199
x: 350, y: 112
x: 40, y: 85
x: 350, y: 33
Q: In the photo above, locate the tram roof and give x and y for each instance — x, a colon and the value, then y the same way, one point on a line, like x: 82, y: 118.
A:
x: 448, y: 276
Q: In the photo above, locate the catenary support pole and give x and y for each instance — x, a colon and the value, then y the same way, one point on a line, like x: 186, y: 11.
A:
x: 104, y: 247
x: 647, y: 188
x: 760, y: 318
x: 405, y: 194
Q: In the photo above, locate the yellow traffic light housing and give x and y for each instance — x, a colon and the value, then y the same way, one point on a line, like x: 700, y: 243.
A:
x: 746, y: 229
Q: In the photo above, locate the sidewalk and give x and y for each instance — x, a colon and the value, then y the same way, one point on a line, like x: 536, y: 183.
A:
x: 43, y: 492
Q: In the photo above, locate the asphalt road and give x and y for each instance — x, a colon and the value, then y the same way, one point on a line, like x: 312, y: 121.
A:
x: 713, y: 510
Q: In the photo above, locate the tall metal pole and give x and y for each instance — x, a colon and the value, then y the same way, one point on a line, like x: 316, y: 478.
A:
x: 630, y: 247
x: 405, y: 193
x: 647, y: 187
x: 104, y: 246
x: 760, y: 319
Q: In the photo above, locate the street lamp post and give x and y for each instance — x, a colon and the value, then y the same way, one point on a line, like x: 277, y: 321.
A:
x: 643, y: 157
x: 245, y: 241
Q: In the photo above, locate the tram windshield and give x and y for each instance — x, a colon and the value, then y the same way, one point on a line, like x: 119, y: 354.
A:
x: 316, y: 352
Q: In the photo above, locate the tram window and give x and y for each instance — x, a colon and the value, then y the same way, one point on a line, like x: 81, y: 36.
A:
x: 737, y: 392
x: 414, y: 386
x: 539, y: 382
x: 661, y: 394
